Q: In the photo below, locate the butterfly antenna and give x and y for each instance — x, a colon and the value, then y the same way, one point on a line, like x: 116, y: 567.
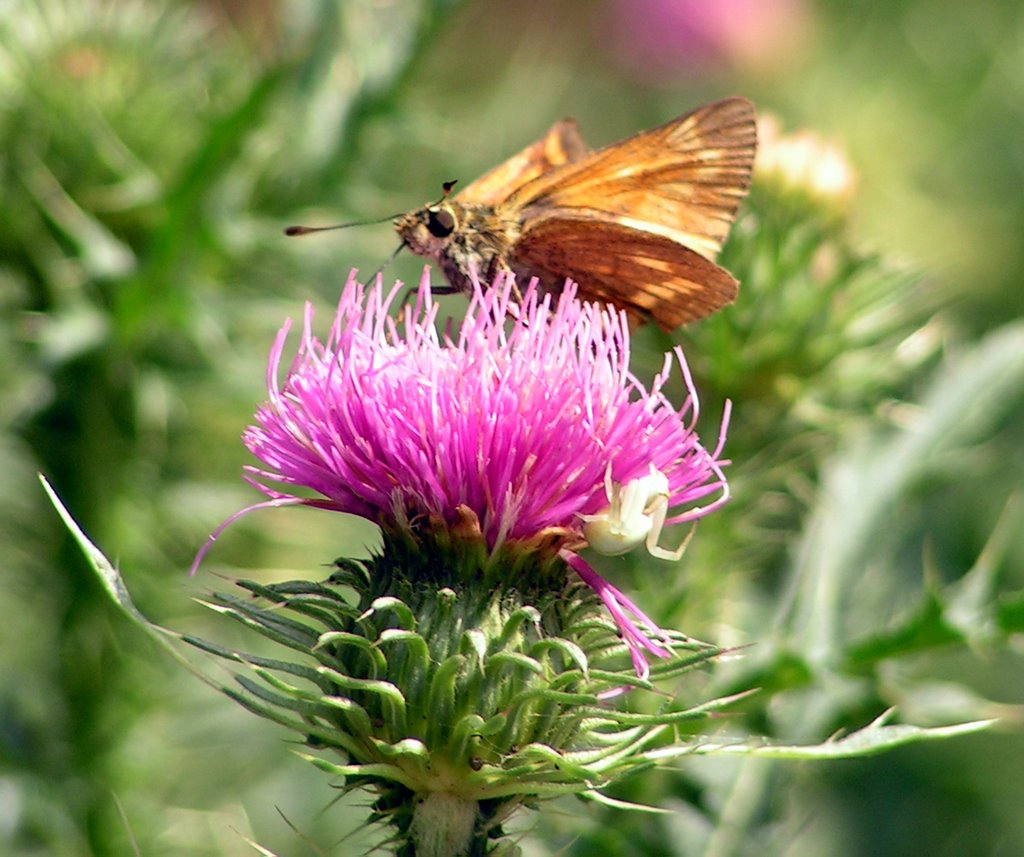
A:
x: 293, y: 231
x: 446, y: 190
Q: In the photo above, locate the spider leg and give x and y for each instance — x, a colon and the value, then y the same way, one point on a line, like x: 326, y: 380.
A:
x: 658, y: 511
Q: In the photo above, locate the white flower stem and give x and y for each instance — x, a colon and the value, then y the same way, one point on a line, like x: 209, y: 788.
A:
x: 442, y: 825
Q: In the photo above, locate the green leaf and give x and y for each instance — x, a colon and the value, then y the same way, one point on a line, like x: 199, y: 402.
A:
x: 967, y: 398
x: 110, y: 577
x: 876, y: 737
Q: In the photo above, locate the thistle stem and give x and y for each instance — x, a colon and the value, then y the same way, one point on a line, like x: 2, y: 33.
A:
x: 442, y: 825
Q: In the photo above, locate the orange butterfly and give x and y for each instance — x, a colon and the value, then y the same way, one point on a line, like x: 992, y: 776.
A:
x: 637, y: 223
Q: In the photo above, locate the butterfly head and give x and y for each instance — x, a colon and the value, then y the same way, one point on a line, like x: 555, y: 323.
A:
x: 428, y: 230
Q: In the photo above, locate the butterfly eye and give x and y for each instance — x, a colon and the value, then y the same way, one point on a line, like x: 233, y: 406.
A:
x: 440, y: 223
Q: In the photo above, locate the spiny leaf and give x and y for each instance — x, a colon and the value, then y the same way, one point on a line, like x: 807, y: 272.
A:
x: 876, y: 737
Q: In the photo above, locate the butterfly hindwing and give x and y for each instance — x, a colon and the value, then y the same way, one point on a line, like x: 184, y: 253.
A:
x: 647, y: 274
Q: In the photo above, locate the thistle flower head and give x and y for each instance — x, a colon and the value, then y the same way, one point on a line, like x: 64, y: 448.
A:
x: 516, y: 424
x: 524, y: 435
x: 803, y: 162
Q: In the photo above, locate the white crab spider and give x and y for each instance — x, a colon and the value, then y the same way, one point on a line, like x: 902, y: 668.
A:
x: 635, y: 515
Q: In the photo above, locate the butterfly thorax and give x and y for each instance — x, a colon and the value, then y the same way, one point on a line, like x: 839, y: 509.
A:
x: 463, y: 239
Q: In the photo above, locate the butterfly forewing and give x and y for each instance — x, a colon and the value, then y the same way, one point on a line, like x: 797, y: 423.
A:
x: 683, y: 180
x: 561, y: 145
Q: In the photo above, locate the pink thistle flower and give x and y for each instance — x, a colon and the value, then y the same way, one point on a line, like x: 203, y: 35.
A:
x: 663, y: 39
x: 526, y: 425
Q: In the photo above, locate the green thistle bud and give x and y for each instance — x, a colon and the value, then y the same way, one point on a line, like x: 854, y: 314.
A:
x: 454, y: 702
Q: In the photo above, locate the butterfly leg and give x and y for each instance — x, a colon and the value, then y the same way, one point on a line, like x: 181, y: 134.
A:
x: 409, y: 291
x: 500, y: 267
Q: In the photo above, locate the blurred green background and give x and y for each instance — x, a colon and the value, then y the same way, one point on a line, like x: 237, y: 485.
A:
x: 150, y: 154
